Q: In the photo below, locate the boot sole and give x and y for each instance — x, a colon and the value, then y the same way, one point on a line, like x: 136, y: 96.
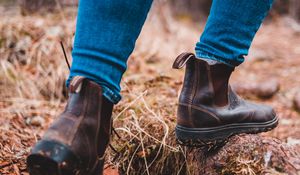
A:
x: 53, y: 158
x: 215, y: 137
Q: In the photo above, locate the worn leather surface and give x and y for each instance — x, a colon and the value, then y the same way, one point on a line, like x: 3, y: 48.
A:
x: 206, y: 99
x: 85, y: 124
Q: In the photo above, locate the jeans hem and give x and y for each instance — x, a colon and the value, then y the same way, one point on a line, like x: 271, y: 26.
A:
x: 111, y: 95
x: 201, y: 54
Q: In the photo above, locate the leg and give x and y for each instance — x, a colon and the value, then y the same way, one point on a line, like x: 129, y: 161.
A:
x: 76, y: 142
x: 230, y: 29
x: 209, y: 111
x: 105, y: 37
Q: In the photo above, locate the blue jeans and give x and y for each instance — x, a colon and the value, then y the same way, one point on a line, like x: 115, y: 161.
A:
x: 107, y: 30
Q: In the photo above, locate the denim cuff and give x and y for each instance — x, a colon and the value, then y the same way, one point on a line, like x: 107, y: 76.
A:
x: 200, y: 54
x: 111, y: 95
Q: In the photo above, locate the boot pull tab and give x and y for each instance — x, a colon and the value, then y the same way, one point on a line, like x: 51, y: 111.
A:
x: 76, y: 83
x: 182, y: 59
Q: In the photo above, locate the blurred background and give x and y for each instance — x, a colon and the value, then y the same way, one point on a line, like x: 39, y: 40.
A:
x: 194, y: 8
x: 33, y: 73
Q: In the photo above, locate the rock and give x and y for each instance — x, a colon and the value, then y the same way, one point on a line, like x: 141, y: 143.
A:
x: 110, y: 171
x: 297, y: 101
x: 266, y: 89
x: 263, y: 90
x: 37, y: 121
x: 247, y: 154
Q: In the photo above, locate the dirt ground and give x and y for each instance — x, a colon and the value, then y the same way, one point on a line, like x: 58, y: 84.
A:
x: 32, y: 75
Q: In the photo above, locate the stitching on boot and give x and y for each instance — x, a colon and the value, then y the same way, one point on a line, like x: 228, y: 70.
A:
x: 203, y: 110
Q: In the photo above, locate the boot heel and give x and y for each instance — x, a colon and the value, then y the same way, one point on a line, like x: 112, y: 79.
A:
x: 52, y: 158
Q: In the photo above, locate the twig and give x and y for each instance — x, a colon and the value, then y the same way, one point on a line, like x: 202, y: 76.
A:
x: 130, y: 104
x: 65, y: 54
x: 142, y: 142
x: 130, y: 162
x: 5, y: 165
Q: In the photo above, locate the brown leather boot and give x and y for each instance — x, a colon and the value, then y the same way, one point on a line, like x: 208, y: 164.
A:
x: 76, y: 142
x: 209, y: 111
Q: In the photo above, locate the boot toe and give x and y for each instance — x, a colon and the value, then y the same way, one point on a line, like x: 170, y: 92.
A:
x: 263, y: 113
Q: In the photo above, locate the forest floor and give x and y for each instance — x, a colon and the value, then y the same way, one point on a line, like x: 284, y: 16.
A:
x: 33, y: 71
